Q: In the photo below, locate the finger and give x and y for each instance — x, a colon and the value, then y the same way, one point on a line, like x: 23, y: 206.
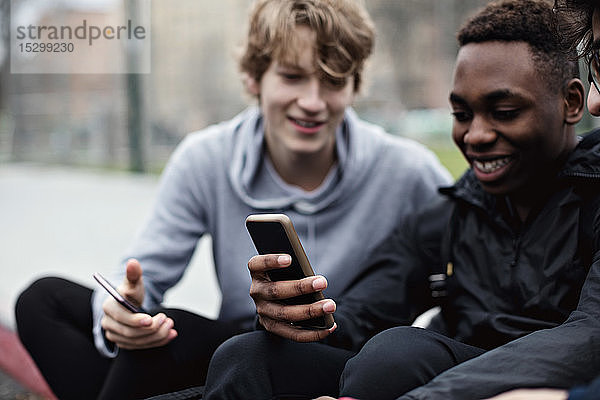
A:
x: 135, y: 346
x: 294, y: 333
x: 133, y: 271
x: 295, y: 313
x: 157, y: 339
x: 115, y: 311
x: 263, y: 263
x: 119, y: 313
x: 132, y: 287
x: 286, y: 289
x: 134, y: 330
x: 164, y: 335
x: 127, y: 335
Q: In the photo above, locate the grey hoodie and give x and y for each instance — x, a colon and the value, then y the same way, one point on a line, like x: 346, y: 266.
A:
x: 218, y: 176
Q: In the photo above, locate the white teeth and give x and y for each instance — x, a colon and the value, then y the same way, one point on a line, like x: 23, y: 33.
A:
x: 306, y: 124
x: 492, y: 165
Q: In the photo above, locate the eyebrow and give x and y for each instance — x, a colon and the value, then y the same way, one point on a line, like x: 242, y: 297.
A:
x: 501, y: 94
x: 491, y: 97
x: 285, y: 64
x: 293, y: 67
x: 454, y: 98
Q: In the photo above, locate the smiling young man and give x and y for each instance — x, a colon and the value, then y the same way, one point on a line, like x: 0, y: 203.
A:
x: 580, y: 27
x: 345, y: 183
x: 511, y: 253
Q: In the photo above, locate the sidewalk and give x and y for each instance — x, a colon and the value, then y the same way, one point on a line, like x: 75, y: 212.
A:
x: 72, y: 222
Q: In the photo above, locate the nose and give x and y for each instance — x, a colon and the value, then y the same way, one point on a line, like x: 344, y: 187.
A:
x: 479, y: 133
x: 593, y: 101
x: 311, y: 98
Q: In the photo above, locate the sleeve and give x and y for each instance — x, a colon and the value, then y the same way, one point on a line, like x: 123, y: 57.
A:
x: 559, y: 357
x: 166, y: 242
x: 393, y: 291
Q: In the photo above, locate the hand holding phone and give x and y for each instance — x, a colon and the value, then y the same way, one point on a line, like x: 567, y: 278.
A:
x: 128, y: 326
x: 116, y: 295
x: 275, y: 234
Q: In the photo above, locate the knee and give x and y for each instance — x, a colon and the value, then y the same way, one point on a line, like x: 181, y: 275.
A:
x: 395, y: 352
x: 242, y: 348
x: 35, y: 296
x: 228, y: 372
x: 36, y: 300
x: 389, y: 348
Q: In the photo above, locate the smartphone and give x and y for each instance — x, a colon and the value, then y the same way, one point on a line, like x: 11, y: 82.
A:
x: 275, y: 234
x: 117, y: 296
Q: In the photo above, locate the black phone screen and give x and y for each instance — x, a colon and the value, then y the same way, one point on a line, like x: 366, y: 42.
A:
x: 270, y: 237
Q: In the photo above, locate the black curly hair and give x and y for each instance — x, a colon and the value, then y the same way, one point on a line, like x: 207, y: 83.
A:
x: 575, y: 23
x: 529, y: 21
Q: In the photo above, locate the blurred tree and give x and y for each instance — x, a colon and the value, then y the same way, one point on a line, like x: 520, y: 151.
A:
x: 134, y: 103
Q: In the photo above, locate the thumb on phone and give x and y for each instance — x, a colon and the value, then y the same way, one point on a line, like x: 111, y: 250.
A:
x: 133, y: 285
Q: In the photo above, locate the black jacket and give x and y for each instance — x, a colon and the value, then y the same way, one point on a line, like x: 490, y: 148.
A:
x: 526, y: 292
x: 506, y: 281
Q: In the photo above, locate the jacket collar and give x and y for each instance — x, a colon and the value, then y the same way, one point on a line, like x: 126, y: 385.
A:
x: 584, y: 162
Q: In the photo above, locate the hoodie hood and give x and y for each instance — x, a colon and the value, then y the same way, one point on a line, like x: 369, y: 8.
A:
x: 247, y: 171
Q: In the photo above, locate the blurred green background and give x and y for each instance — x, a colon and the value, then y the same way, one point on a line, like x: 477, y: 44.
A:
x: 450, y: 157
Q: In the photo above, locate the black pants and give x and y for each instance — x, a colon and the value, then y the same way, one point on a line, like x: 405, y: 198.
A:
x: 54, y: 322
x: 259, y: 365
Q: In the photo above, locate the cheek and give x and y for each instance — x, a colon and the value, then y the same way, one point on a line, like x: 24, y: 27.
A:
x: 458, y: 134
x: 336, y: 113
x: 271, y: 102
x: 339, y: 100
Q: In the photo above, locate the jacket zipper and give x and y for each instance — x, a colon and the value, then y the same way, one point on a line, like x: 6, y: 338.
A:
x: 582, y: 175
x: 516, y: 250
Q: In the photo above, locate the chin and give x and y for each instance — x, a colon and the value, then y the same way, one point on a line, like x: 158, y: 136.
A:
x: 306, y: 147
x: 495, y: 188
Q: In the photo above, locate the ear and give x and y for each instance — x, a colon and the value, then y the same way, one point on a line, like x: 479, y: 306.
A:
x: 574, y: 101
x: 251, y: 84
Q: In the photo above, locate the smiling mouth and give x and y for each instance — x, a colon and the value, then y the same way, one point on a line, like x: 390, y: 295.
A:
x: 306, y: 124
x: 490, y: 166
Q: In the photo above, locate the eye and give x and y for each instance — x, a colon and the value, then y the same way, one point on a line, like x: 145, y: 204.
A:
x: 462, y: 116
x: 334, y: 83
x: 291, y: 76
x: 505, y: 114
